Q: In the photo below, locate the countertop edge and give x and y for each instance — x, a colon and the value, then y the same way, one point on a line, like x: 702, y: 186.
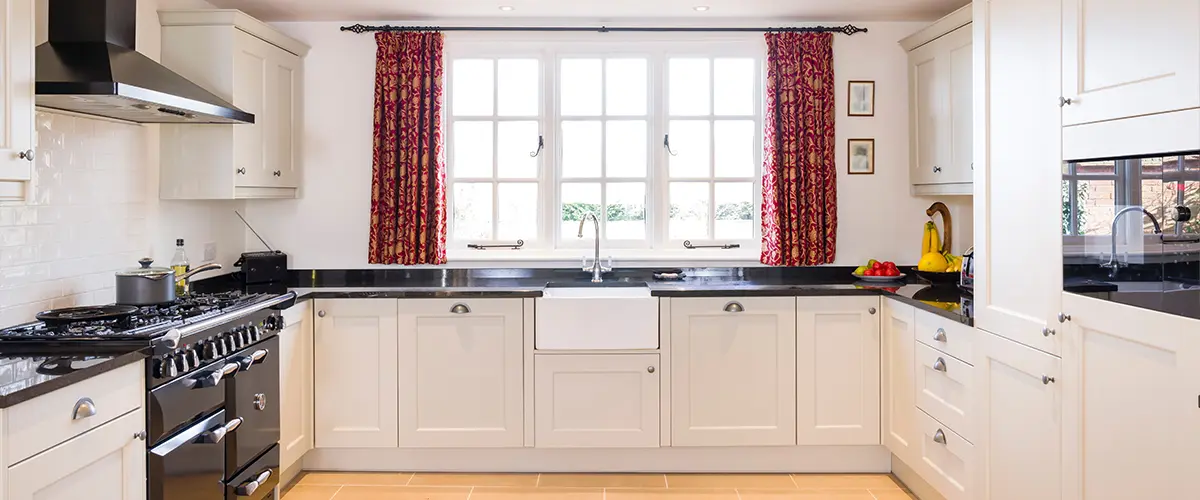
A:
x: 43, y: 388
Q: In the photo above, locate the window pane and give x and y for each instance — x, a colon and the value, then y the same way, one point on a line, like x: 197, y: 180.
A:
x: 1108, y: 167
x: 472, y: 144
x: 626, y: 211
x: 517, y: 140
x: 625, y: 148
x: 690, y: 143
x: 1096, y: 207
x: 518, y: 87
x: 689, y: 210
x: 580, y: 149
x: 518, y: 207
x: 733, y: 86
x: 688, y: 91
x: 473, y: 90
x: 625, y: 87
x: 579, y: 199
x: 581, y: 81
x: 735, y: 210
x: 473, y: 211
x: 1191, y: 192
x: 734, y: 147
x: 1158, y: 198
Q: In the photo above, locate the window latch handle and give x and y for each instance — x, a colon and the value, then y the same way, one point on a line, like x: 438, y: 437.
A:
x: 667, y: 144
x: 541, y: 144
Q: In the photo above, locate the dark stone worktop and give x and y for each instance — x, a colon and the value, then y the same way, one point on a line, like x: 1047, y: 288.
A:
x: 25, y: 375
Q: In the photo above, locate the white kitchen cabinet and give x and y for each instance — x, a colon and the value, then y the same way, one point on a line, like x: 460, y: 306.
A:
x: 461, y: 373
x: 355, y: 373
x: 1017, y: 402
x: 107, y: 462
x: 17, y: 136
x: 944, y: 389
x: 596, y: 400
x: 296, y: 384
x: 837, y: 370
x: 1126, y: 59
x: 1018, y: 198
x: 719, y: 348
x: 940, y: 104
x: 900, y: 432
x: 258, y: 70
x: 1130, y: 379
x: 945, y: 458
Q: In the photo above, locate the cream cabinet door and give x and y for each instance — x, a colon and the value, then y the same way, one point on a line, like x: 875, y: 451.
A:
x: 107, y: 462
x: 720, y: 347
x: 296, y: 384
x: 1018, y: 136
x: 596, y: 400
x: 16, y: 97
x: 837, y: 370
x: 283, y: 148
x: 900, y: 432
x: 1122, y: 59
x: 252, y: 93
x: 461, y: 373
x: 957, y: 49
x: 929, y: 105
x: 1017, y: 400
x: 1131, y: 380
x: 355, y: 372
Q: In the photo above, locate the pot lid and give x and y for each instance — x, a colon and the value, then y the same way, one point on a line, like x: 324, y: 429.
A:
x: 146, y: 271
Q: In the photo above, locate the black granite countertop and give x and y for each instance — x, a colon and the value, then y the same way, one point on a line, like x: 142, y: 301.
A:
x: 24, y: 376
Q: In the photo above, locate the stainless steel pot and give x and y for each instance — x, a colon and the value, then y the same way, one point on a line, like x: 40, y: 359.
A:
x: 144, y: 286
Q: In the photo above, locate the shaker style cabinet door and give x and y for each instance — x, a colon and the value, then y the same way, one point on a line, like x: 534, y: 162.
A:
x: 107, y: 462
x: 355, y: 371
x: 930, y: 105
x: 720, y: 347
x: 252, y: 93
x: 959, y: 141
x: 461, y: 373
x: 296, y: 384
x: 17, y: 148
x: 1123, y: 59
x: 596, y: 400
x: 837, y: 370
x: 900, y: 431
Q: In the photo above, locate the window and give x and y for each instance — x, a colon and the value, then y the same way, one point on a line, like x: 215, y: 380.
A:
x: 1093, y: 192
x: 662, y: 141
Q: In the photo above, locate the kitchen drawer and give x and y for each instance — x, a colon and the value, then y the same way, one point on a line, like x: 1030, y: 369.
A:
x: 945, y: 458
x: 944, y: 388
x: 945, y: 335
x: 43, y: 422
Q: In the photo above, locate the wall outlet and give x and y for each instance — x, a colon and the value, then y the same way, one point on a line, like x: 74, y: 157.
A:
x: 210, y: 252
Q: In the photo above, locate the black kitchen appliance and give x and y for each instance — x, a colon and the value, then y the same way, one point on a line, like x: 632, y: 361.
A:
x: 262, y: 267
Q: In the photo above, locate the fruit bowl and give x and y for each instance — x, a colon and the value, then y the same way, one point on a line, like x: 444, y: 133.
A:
x: 879, y: 279
x: 939, y: 278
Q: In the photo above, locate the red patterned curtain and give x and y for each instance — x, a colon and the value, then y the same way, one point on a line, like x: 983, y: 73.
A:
x: 408, y: 189
x: 799, y: 211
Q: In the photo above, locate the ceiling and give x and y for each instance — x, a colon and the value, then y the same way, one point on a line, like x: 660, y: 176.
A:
x: 781, y: 10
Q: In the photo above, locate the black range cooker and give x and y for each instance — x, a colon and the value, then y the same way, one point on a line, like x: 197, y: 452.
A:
x: 212, y: 385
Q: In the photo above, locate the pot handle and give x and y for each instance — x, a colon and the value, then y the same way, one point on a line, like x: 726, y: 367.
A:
x: 211, y: 266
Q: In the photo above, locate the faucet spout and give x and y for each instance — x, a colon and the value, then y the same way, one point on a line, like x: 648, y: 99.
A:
x: 597, y: 269
x: 1112, y: 256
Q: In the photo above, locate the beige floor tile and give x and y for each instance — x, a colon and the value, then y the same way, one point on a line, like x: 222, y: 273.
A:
x: 868, y: 481
x: 439, y: 479
x: 892, y: 495
x: 768, y: 481
x: 302, y: 492
x: 604, y: 480
x: 670, y: 494
x: 493, y: 493
x: 824, y: 494
x: 356, y: 478
x: 402, y: 493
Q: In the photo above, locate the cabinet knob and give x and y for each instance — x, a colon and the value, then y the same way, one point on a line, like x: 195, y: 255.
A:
x: 140, y: 436
x: 1064, y: 317
x: 939, y: 437
x: 940, y: 336
x: 1064, y: 101
x: 871, y: 310
x: 242, y: 170
x: 937, y: 169
x: 734, y: 307
x: 650, y: 369
x: 26, y: 155
x: 1046, y: 332
x: 1047, y: 380
x: 460, y: 309
x: 277, y: 173
x: 940, y: 365
x: 320, y: 314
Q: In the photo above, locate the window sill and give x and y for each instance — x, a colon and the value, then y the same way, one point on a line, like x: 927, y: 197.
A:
x: 741, y: 257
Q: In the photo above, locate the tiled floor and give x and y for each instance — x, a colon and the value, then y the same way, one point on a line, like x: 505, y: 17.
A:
x: 426, y: 486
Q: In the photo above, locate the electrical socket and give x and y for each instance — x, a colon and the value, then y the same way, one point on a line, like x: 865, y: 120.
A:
x: 210, y: 252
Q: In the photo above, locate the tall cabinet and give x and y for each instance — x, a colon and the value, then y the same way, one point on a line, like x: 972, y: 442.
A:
x: 17, y: 137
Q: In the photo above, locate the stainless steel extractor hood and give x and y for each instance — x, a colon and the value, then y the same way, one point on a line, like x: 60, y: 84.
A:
x: 90, y: 66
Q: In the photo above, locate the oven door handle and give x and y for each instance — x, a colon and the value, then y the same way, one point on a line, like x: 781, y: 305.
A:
x: 247, y: 488
x: 213, y: 378
x: 189, y: 435
x: 218, y: 433
x: 252, y: 359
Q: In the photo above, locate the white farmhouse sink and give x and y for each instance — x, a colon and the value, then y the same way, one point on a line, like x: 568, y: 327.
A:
x: 596, y: 318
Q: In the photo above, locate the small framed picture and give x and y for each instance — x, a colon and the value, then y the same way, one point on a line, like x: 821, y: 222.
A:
x: 862, y: 157
x: 862, y: 98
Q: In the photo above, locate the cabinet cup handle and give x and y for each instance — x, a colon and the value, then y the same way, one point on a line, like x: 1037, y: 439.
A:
x: 940, y: 365
x: 1047, y: 380
x: 320, y: 314
x: 940, y: 336
x: 939, y: 437
x: 242, y: 170
x: 84, y: 408
x: 460, y: 309
x: 26, y: 155
x: 734, y: 307
x: 1046, y: 332
x: 650, y: 369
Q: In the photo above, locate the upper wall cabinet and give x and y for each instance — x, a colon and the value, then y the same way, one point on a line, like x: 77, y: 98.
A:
x: 16, y: 97
x: 258, y: 70
x: 1123, y: 59
x: 939, y: 69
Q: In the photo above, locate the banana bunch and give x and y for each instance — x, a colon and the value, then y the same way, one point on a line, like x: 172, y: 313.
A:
x: 933, y: 259
x: 954, y: 263
x: 931, y: 241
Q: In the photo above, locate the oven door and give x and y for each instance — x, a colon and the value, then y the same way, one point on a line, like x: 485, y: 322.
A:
x: 253, y: 396
x: 258, y: 480
x: 191, y: 464
x: 183, y: 400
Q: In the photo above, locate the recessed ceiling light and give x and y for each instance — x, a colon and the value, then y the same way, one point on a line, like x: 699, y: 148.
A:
x: 506, y: 8
x: 700, y: 8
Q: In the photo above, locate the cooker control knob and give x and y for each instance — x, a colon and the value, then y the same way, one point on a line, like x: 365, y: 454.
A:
x: 255, y: 333
x: 169, y: 369
x: 247, y: 335
x: 230, y: 342
x: 182, y: 362
x: 194, y: 356
x: 157, y: 368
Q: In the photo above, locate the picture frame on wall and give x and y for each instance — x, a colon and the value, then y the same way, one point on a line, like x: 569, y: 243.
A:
x: 861, y: 157
x: 862, y: 98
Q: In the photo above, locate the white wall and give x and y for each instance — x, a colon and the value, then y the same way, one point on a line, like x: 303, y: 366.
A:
x: 877, y: 216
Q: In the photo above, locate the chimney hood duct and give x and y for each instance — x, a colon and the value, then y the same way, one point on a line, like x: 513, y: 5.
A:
x: 90, y: 66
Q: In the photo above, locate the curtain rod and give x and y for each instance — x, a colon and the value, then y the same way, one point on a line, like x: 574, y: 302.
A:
x: 848, y: 29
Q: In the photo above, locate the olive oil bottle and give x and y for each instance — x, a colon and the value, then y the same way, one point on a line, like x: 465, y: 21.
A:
x: 179, y: 264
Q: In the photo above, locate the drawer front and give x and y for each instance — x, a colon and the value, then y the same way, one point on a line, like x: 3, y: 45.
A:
x: 944, y: 388
x: 43, y: 422
x: 945, y: 458
x: 945, y: 335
